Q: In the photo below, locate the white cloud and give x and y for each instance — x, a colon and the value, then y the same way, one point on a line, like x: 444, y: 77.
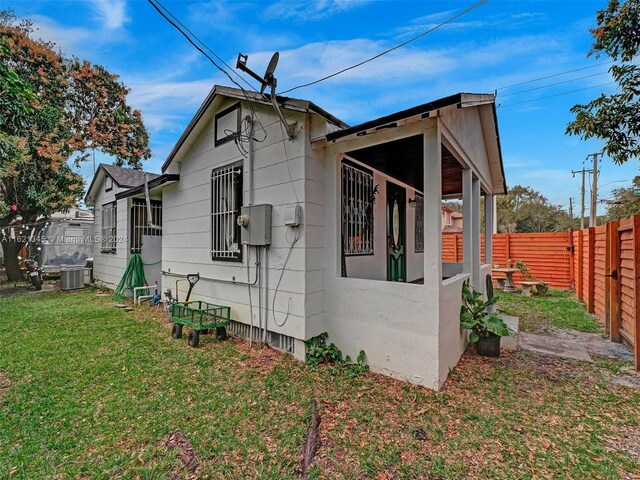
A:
x: 112, y: 13
x: 69, y: 39
x: 310, y: 10
x: 167, y: 94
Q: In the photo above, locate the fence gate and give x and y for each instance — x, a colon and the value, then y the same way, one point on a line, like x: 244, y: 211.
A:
x: 624, y: 319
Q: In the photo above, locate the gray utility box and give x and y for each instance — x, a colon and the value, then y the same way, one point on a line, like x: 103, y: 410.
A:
x: 256, y: 227
x: 71, y: 278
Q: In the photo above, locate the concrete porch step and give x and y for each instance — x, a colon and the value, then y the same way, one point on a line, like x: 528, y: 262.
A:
x: 511, y: 342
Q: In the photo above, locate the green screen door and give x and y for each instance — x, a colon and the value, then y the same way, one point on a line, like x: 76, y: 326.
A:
x: 396, y: 226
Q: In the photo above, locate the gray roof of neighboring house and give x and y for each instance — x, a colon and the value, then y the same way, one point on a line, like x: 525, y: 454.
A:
x: 123, y: 177
x: 451, y: 229
x: 127, y: 177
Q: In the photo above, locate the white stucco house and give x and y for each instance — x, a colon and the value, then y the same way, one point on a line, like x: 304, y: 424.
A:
x: 341, y: 224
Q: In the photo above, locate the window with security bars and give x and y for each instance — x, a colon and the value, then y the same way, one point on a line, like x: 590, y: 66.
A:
x: 140, y: 224
x: 109, y: 228
x: 226, y: 201
x: 419, y: 227
x: 357, y: 210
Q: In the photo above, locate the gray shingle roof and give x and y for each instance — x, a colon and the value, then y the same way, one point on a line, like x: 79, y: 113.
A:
x: 126, y: 177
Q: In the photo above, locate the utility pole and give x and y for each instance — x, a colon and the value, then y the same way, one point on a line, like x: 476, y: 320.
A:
x: 594, y: 191
x: 571, y: 208
x: 584, y: 171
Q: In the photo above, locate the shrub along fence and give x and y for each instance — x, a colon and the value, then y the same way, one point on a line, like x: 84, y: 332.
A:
x: 600, y: 264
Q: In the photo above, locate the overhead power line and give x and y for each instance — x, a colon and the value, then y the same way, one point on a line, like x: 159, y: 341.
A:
x: 552, y: 84
x: 554, y: 75
x: 177, y: 20
x: 413, y: 39
x: 556, y: 95
x: 184, y: 34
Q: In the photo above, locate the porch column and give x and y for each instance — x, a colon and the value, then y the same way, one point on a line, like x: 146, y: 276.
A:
x: 475, y: 226
x: 488, y: 229
x: 432, y: 206
x: 471, y: 224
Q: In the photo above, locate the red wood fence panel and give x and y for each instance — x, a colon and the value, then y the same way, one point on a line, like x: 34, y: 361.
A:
x: 599, y: 271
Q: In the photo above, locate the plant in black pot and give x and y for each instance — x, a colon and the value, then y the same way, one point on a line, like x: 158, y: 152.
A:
x: 486, y: 327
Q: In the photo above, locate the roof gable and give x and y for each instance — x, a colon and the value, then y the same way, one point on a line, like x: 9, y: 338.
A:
x: 123, y: 177
x: 287, y: 103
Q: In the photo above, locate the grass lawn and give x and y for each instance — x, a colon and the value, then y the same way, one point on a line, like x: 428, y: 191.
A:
x: 559, y: 309
x: 88, y: 391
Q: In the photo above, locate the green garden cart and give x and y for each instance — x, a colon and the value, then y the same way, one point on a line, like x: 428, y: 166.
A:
x: 201, y: 317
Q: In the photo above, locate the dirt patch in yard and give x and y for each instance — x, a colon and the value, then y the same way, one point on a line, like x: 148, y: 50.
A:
x: 5, y: 383
x: 187, y: 454
x: 261, y: 359
x: 628, y: 442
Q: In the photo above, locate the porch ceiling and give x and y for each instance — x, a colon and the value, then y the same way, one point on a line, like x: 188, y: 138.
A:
x: 403, y: 160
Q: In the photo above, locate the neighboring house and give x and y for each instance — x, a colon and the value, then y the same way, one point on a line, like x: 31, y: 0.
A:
x: 456, y: 220
x: 451, y: 220
x: 117, y: 195
x: 354, y: 243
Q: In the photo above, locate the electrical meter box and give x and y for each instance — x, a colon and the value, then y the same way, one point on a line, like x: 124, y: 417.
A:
x: 255, y: 225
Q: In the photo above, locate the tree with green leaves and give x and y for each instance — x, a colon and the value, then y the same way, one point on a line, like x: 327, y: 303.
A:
x: 523, y: 209
x: 53, y: 109
x: 624, y: 202
x: 615, y: 118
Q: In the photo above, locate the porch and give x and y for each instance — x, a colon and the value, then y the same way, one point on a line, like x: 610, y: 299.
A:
x: 388, y: 290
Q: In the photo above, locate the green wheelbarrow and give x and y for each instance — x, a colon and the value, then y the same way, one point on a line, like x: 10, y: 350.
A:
x: 201, y: 317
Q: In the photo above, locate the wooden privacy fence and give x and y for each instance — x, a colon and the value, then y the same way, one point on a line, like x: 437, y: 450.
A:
x: 547, y: 255
x: 607, y: 277
x: 601, y: 264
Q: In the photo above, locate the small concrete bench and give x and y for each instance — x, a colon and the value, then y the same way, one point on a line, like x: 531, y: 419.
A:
x: 527, y: 286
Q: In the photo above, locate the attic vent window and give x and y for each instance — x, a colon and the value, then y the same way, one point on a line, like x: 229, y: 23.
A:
x: 226, y: 201
x: 228, y: 124
x: 108, y: 184
x: 357, y: 210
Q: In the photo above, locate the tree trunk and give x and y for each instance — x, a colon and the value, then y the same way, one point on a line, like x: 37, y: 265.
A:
x: 10, y: 251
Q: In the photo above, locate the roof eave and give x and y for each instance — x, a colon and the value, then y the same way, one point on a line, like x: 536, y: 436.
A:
x: 161, y: 181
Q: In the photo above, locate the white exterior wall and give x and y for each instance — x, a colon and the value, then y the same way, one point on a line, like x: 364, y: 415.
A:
x: 108, y: 268
x: 397, y: 324
x: 186, y: 243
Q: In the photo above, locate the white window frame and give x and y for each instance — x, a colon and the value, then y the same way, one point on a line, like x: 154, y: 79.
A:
x: 109, y: 228
x: 226, y: 203
x: 357, y: 199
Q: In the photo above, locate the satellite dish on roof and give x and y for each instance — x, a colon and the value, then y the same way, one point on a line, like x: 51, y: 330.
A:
x: 269, y: 79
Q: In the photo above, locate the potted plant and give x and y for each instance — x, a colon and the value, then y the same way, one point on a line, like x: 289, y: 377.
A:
x: 486, y: 327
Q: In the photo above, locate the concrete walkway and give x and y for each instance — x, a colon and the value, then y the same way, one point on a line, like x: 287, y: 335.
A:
x: 552, y: 345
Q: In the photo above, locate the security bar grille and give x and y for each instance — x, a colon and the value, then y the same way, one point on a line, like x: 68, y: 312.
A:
x: 419, y: 230
x: 109, y: 228
x: 226, y: 201
x: 357, y: 210
x: 140, y: 222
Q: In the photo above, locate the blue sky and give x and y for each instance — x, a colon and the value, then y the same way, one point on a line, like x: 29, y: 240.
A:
x: 498, y: 44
